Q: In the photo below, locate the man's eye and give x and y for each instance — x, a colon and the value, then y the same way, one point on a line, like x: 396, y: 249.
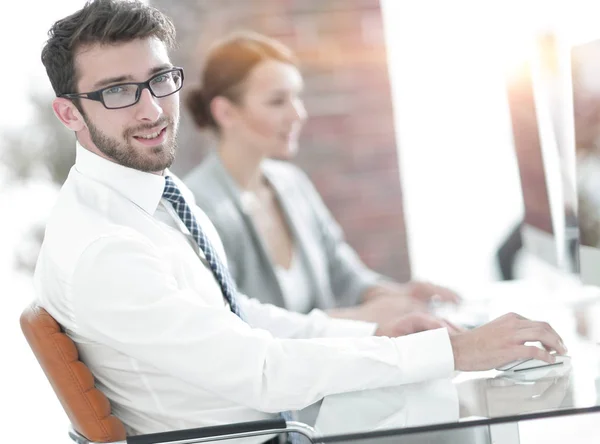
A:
x: 114, y: 90
x: 162, y: 78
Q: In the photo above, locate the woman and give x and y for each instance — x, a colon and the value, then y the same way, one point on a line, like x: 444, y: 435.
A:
x: 282, y: 244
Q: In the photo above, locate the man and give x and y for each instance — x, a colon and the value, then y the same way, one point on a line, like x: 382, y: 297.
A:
x: 134, y: 271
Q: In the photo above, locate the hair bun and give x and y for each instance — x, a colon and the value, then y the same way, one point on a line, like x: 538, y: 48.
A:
x: 199, y: 109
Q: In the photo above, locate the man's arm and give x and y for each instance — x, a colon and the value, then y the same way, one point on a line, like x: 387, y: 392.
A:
x: 125, y: 297
x: 282, y: 323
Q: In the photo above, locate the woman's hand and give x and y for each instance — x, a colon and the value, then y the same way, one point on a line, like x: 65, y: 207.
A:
x: 415, y: 323
x: 420, y: 292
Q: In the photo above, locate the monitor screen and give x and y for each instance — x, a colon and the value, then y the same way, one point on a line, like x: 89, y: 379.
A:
x: 537, y: 229
x: 585, y: 70
x: 540, y: 98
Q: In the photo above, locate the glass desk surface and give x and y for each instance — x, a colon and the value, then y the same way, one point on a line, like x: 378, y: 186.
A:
x: 472, y: 399
x: 465, y: 400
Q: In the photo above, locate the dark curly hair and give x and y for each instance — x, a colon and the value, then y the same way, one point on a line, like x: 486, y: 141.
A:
x: 99, y: 22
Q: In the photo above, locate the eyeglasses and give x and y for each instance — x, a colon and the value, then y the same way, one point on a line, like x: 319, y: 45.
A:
x: 123, y: 95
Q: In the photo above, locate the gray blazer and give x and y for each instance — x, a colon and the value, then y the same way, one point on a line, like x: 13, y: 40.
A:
x: 337, y: 275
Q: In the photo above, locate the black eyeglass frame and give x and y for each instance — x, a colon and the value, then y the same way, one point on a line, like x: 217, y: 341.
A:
x: 97, y: 95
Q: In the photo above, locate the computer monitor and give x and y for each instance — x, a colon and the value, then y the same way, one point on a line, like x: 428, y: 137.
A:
x: 554, y: 101
x: 585, y: 74
x: 539, y: 227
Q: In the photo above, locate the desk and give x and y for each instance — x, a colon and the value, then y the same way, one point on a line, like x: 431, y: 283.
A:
x: 477, y: 408
x: 474, y: 407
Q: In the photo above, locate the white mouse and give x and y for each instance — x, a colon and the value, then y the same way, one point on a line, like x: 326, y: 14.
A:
x: 530, y: 364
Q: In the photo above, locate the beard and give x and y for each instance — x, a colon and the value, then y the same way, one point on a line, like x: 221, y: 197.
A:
x: 149, y: 160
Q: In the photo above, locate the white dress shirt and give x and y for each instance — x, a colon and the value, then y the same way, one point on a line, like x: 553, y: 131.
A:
x: 121, y: 273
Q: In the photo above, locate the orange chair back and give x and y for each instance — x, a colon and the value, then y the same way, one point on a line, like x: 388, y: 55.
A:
x: 87, y: 407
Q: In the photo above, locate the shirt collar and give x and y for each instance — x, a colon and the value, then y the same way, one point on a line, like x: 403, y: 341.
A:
x: 143, y: 189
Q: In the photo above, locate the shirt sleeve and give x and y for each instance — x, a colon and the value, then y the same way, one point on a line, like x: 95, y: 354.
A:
x: 125, y: 296
x: 286, y: 324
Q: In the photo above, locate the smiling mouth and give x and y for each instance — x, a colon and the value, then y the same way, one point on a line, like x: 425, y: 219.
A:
x: 152, y: 137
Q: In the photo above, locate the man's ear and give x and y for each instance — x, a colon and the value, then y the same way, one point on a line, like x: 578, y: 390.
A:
x: 68, y: 114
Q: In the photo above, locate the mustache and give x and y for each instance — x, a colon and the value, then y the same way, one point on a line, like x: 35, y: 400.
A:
x: 169, y: 121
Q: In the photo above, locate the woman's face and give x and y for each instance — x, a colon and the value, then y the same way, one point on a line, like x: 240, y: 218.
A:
x: 270, y: 113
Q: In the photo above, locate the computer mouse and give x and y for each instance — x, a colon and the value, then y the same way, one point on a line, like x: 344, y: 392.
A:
x: 530, y: 364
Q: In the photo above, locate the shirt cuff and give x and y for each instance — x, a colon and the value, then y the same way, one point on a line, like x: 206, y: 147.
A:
x: 426, y: 355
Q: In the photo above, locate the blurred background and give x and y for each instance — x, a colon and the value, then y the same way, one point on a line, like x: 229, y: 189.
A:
x: 409, y: 137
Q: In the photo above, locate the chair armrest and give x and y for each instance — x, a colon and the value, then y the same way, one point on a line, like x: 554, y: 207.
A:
x: 205, y: 434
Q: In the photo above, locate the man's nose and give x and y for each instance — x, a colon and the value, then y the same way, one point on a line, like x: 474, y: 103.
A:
x: 148, y: 107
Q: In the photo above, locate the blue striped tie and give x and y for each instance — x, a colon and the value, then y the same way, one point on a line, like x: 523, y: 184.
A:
x: 174, y: 196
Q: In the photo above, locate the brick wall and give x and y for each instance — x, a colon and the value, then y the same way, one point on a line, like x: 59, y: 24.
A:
x: 347, y: 146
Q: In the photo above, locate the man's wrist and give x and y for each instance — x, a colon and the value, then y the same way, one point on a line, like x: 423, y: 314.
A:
x: 456, y: 353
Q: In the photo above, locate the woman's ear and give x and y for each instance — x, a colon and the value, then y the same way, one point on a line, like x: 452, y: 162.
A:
x: 223, y: 111
x: 68, y: 114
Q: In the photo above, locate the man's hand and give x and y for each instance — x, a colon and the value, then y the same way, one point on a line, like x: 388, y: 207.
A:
x: 415, y: 323
x: 503, y: 340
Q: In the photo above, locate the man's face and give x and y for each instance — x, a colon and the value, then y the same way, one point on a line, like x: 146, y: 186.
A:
x: 142, y: 136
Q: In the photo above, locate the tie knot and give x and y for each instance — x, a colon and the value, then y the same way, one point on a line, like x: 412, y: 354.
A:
x: 171, y: 191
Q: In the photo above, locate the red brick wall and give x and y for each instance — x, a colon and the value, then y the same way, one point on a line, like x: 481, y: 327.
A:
x: 348, y: 145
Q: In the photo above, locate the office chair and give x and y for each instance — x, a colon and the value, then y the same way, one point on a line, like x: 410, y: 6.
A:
x: 88, y: 408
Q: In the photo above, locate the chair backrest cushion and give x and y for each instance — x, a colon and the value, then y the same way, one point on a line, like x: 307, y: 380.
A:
x: 87, y: 407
